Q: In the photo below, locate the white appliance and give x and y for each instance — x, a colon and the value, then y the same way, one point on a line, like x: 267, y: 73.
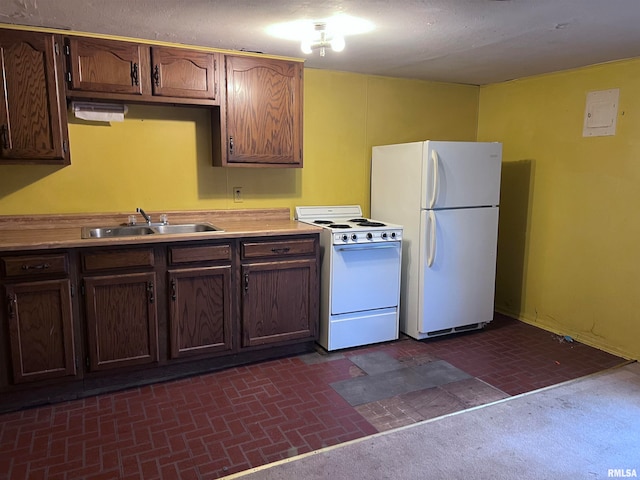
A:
x: 359, y: 276
x: 446, y: 196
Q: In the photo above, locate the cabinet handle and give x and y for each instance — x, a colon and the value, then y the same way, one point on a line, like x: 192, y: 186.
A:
x: 10, y: 310
x: 156, y: 75
x: 134, y: 74
x: 173, y: 290
x: 41, y: 266
x: 150, y: 291
x: 281, y: 250
x: 246, y: 282
x: 231, y: 145
x: 4, y: 132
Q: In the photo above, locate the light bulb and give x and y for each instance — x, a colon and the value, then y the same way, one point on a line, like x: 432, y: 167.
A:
x: 306, y: 47
x: 337, y: 43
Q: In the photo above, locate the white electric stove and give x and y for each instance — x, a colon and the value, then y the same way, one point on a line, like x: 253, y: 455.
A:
x: 359, y: 276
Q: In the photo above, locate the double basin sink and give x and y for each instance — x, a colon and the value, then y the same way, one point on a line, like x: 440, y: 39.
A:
x: 153, y: 229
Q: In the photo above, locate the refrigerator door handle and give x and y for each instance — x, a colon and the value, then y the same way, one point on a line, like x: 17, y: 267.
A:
x: 432, y: 239
x: 434, y: 185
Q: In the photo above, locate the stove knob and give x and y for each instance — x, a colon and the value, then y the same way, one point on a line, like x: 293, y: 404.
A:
x: 369, y: 236
x: 345, y: 238
x: 384, y: 235
x: 393, y: 234
x: 354, y: 237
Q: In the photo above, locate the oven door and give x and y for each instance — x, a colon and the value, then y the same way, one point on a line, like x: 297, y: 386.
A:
x: 365, y: 277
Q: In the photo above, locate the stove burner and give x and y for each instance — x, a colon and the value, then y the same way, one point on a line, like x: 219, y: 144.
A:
x: 368, y: 223
x: 358, y: 220
x: 323, y: 222
x: 339, y: 225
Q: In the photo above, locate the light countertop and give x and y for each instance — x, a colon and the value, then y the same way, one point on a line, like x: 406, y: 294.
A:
x: 65, y: 231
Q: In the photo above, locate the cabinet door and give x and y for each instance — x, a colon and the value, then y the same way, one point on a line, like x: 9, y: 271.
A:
x: 184, y: 73
x: 40, y: 330
x: 200, y: 310
x: 108, y: 66
x: 33, y: 115
x: 122, y: 325
x: 278, y: 301
x: 263, y: 112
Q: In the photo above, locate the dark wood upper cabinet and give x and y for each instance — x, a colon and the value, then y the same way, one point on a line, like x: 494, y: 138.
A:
x: 108, y: 66
x: 33, y: 115
x: 116, y: 70
x: 263, y: 112
x: 256, y: 103
x: 184, y: 73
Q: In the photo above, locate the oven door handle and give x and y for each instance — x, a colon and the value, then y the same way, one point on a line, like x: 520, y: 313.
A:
x: 367, y: 247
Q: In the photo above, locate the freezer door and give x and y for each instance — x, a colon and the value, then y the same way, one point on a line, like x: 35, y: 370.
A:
x: 460, y: 174
x: 458, y: 265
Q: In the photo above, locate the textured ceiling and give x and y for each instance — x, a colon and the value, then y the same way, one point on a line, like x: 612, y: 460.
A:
x: 462, y: 41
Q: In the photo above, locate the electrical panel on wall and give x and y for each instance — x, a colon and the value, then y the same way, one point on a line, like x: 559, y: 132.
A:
x: 600, y: 113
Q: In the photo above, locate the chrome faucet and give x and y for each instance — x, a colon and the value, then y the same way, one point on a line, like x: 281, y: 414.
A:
x: 146, y: 217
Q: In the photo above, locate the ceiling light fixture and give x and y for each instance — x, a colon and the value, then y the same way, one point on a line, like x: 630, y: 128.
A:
x: 321, y: 33
x: 321, y: 40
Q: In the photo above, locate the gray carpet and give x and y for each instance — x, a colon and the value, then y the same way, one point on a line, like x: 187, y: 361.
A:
x: 584, y: 429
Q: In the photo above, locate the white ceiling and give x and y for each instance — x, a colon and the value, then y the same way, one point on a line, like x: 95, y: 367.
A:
x: 462, y: 41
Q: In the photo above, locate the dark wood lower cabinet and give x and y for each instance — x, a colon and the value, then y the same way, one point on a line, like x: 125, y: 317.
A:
x: 149, y: 313
x: 122, y: 325
x: 200, y: 310
x: 40, y: 330
x: 278, y: 301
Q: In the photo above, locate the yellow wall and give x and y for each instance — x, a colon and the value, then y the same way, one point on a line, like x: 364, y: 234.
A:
x: 568, y: 256
x: 159, y: 157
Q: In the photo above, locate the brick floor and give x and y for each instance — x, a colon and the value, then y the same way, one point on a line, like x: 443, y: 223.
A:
x: 212, y: 425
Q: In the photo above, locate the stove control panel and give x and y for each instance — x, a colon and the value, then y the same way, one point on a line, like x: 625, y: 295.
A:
x: 342, y: 238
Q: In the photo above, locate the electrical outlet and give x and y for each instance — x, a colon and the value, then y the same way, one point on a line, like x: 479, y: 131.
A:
x: 237, y: 194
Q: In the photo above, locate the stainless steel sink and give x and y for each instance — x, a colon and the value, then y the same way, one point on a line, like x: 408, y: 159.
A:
x: 159, y: 229
x: 108, y: 232
x: 186, y: 228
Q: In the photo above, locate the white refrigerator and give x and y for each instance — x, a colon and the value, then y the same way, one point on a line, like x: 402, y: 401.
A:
x: 446, y: 196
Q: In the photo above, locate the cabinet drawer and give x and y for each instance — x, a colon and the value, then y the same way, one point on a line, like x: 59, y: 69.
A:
x: 280, y: 248
x: 117, y: 259
x: 34, y: 265
x: 206, y: 253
